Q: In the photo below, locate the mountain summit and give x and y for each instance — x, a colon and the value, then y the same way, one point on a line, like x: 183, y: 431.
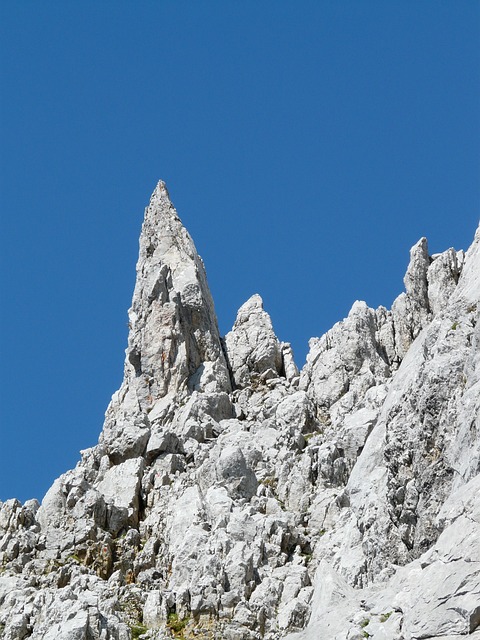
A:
x: 233, y: 497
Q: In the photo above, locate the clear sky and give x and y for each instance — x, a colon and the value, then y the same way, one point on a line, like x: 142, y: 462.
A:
x: 306, y: 145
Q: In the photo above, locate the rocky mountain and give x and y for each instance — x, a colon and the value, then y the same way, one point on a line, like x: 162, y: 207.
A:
x: 233, y: 497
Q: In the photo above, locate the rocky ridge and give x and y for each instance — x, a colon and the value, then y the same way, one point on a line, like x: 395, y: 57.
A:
x: 233, y: 497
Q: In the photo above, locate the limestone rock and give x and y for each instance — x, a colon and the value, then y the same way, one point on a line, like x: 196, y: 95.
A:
x: 233, y: 497
x: 174, y: 340
x: 252, y: 347
x: 343, y: 364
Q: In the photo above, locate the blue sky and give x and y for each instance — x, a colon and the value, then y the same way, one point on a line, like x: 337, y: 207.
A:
x: 306, y: 147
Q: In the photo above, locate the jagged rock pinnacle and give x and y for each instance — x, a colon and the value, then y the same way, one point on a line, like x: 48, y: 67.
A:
x: 252, y: 346
x: 174, y: 346
x: 174, y: 329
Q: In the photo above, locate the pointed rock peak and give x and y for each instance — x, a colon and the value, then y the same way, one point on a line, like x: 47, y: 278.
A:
x: 160, y: 190
x: 419, y: 256
x: 254, y: 303
x: 252, y: 346
x: 163, y: 237
x: 421, y: 245
x: 469, y: 283
x: 174, y: 344
x: 252, y: 311
x: 416, y: 276
x: 160, y: 208
x: 359, y: 308
x: 160, y: 201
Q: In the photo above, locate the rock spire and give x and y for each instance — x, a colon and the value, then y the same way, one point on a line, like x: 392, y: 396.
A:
x: 174, y: 344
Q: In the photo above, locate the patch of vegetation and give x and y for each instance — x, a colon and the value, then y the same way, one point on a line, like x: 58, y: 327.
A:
x: 177, y: 625
x: 138, y: 630
x: 454, y: 326
x: 75, y: 558
x: 270, y: 481
x: 385, y: 616
x: 52, y: 566
x: 433, y: 454
x: 131, y: 613
x: 257, y: 383
x: 364, y: 623
x: 3, y: 568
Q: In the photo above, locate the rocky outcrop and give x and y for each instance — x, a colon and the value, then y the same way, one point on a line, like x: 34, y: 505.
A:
x: 232, y: 496
x: 408, y: 526
x: 252, y: 348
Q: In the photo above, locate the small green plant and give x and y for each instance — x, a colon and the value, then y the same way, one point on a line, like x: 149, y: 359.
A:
x: 138, y: 630
x: 270, y: 481
x: 176, y: 624
x: 454, y: 326
x: 53, y: 565
x: 364, y: 623
x: 75, y: 558
x: 385, y: 616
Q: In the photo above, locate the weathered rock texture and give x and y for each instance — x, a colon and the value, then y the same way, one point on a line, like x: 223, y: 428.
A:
x: 233, y: 497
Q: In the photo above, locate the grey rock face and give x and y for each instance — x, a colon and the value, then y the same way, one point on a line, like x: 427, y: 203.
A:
x: 252, y: 347
x: 173, y: 342
x: 233, y: 497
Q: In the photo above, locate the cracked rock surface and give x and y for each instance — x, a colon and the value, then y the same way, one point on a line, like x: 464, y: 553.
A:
x: 233, y: 497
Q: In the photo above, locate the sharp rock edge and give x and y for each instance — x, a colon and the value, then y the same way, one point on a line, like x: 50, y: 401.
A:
x: 233, y: 497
